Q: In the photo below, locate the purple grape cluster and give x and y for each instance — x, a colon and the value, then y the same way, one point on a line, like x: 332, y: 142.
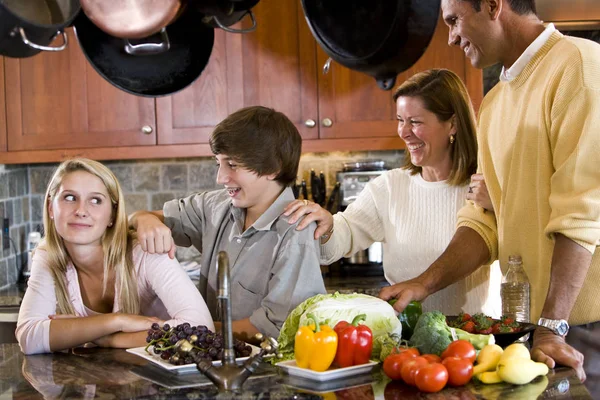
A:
x: 205, y: 344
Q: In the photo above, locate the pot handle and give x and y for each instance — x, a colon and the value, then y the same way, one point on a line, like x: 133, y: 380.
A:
x: 227, y: 29
x: 143, y: 49
x: 40, y: 47
x: 386, y: 83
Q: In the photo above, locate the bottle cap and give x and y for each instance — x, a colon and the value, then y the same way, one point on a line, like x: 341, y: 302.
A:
x: 514, y: 259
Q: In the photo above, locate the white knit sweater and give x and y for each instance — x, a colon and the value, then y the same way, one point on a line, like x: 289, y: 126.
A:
x: 415, y: 220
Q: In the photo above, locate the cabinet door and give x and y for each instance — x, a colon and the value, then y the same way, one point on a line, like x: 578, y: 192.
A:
x: 57, y: 101
x: 274, y: 66
x: 356, y: 106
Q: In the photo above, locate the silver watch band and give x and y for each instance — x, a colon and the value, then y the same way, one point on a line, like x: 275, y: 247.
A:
x: 560, y: 327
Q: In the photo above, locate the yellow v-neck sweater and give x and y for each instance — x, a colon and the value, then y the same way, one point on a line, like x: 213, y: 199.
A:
x: 539, y: 151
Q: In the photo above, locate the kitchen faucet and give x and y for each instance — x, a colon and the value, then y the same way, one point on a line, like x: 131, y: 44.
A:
x: 230, y: 376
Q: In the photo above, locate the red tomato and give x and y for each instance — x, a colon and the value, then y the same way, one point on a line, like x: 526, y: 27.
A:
x: 392, y: 365
x: 460, y: 370
x: 432, y: 358
x: 405, y: 349
x: 462, y: 349
x: 410, y: 367
x: 431, y: 378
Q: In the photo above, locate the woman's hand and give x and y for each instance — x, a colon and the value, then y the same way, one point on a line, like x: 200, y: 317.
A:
x: 314, y: 212
x: 153, y: 235
x: 478, y: 192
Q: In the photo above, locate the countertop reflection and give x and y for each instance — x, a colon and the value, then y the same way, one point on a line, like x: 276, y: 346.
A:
x: 116, y: 374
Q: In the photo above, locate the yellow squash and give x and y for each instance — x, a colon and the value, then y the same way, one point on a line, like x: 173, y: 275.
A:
x: 519, y: 371
x: 487, y: 359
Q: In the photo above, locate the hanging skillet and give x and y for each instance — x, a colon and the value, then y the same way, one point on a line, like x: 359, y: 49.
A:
x: 380, y: 38
x: 27, y: 27
x: 156, y: 66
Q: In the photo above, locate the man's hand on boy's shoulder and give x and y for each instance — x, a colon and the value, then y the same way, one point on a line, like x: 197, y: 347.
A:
x: 153, y: 235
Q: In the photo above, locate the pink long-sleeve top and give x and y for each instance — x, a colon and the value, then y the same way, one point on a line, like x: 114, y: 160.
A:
x: 165, y: 292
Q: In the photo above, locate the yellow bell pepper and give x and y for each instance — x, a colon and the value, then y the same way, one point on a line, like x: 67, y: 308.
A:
x: 315, y: 346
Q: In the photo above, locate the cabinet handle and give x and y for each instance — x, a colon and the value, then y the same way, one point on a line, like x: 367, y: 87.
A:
x: 147, y: 129
x: 326, y: 122
x: 326, y: 66
x: 310, y: 123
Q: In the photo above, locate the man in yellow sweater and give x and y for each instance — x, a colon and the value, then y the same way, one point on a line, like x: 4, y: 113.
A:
x: 539, y: 148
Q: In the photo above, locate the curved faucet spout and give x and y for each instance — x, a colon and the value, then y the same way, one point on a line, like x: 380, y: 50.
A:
x: 224, y: 297
x: 230, y: 376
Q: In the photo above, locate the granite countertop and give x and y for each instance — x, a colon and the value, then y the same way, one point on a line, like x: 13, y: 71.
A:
x: 11, y: 296
x: 116, y: 374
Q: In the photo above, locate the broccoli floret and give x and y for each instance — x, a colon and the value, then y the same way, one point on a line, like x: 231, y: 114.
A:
x: 432, y: 335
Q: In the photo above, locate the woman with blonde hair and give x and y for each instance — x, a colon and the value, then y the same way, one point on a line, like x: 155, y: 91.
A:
x: 413, y: 209
x: 90, y: 280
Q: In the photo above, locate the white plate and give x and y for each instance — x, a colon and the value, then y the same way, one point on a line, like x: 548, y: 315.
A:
x: 178, y: 369
x: 333, y: 373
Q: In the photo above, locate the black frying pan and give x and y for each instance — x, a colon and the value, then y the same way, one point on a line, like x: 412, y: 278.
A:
x: 165, y: 70
x: 380, y: 38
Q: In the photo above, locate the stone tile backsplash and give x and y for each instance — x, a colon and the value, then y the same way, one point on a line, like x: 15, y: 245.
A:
x: 147, y: 184
x: 14, y: 205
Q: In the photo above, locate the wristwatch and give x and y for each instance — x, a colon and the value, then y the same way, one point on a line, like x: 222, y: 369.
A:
x: 560, y: 327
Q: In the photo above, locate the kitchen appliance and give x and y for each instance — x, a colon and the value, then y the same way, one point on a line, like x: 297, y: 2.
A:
x: 353, y: 179
x: 33, y: 239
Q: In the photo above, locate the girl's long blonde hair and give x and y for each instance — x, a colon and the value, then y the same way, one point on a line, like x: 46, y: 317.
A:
x: 117, y: 241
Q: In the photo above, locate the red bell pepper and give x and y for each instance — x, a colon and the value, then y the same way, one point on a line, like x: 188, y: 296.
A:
x: 355, y: 342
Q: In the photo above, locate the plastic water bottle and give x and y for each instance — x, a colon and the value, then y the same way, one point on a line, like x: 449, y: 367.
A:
x: 515, y: 291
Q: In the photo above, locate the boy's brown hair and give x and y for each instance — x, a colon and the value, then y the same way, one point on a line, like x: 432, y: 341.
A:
x: 261, y: 140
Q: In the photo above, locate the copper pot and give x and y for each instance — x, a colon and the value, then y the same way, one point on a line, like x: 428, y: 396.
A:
x: 131, y: 19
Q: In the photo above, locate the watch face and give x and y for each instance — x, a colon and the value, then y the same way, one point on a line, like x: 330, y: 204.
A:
x: 562, y: 328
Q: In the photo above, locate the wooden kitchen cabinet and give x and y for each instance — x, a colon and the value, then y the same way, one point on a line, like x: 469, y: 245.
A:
x: 58, y: 101
x: 58, y: 106
x: 279, y: 65
x: 274, y: 66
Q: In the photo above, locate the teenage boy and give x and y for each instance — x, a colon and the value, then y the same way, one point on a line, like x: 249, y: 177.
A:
x: 273, y: 266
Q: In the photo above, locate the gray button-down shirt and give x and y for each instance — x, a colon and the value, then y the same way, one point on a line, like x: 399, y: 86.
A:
x: 273, y: 266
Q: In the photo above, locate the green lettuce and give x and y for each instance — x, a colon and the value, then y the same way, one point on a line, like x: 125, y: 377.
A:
x: 332, y: 308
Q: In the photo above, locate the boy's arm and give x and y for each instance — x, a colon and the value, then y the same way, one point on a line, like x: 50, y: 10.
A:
x: 243, y: 330
x: 152, y: 233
